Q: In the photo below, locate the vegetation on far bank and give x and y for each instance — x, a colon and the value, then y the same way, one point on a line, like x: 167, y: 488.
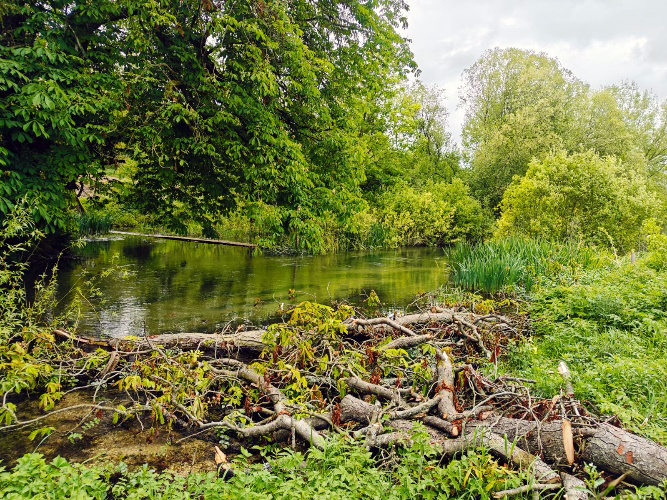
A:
x: 268, y: 131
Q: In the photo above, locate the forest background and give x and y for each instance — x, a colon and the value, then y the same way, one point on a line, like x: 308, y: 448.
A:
x: 304, y: 126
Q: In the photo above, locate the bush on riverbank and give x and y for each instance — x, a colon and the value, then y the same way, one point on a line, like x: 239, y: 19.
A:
x: 579, y: 197
x: 442, y: 214
x: 437, y: 216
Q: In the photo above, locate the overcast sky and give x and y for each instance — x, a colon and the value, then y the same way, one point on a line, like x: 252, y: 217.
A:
x: 601, y: 42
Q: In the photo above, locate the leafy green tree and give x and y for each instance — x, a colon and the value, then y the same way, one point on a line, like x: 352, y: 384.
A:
x: 215, y: 102
x: 646, y: 117
x: 578, y: 196
x: 411, y: 142
x: 432, y: 156
x: 441, y: 214
x: 517, y: 106
x: 54, y: 108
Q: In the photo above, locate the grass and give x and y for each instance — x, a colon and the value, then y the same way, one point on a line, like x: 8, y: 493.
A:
x: 497, y: 265
x: 611, y: 328
x: 93, y: 223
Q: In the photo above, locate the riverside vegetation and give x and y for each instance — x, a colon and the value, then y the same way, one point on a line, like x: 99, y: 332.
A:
x: 293, y: 125
x: 579, y: 308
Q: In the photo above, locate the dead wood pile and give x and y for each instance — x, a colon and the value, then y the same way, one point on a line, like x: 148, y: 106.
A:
x: 373, y: 379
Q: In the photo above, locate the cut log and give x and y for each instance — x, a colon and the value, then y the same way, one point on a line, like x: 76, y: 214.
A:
x: 509, y: 451
x: 617, y: 451
x: 249, y: 341
x: 575, y: 488
x: 445, y: 370
x: 544, y: 439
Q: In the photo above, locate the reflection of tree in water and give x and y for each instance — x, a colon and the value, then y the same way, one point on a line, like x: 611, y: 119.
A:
x: 178, y: 286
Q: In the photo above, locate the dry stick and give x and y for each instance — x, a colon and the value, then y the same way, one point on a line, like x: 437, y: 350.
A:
x: 74, y: 407
x: 114, y: 358
x: 567, y: 377
x: 475, y: 338
x: 380, y: 321
x: 425, y: 317
x: 499, y: 446
x: 527, y: 488
x: 445, y: 370
x: 416, y: 410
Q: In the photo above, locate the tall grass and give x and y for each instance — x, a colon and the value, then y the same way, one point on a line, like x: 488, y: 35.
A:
x: 515, y: 262
x: 93, y: 223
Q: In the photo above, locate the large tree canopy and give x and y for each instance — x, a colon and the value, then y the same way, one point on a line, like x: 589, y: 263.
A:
x: 522, y: 105
x: 517, y: 106
x: 215, y: 101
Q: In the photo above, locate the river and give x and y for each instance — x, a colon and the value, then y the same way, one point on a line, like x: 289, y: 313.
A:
x: 156, y: 286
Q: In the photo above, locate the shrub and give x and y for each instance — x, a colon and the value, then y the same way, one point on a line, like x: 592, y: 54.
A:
x: 611, y: 329
x: 578, y: 197
x: 443, y: 214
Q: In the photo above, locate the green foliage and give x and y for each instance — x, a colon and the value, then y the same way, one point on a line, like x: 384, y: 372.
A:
x: 442, y: 214
x: 521, y: 105
x: 53, y: 112
x: 32, y: 477
x: 511, y: 263
x: 342, y: 470
x: 610, y: 327
x: 578, y: 197
x: 517, y: 106
x: 261, y: 102
x: 656, y: 244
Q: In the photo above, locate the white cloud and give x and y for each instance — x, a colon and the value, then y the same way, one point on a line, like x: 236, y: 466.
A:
x: 601, y: 41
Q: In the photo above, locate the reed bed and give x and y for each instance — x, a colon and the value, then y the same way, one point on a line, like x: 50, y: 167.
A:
x: 93, y: 223
x: 497, y: 265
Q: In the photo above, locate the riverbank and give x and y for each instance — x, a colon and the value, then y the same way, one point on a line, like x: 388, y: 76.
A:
x: 594, y: 314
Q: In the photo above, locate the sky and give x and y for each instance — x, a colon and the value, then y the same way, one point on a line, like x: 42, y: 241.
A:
x: 601, y: 42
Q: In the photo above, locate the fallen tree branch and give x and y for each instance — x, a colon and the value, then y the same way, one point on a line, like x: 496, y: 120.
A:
x: 407, y: 342
x: 445, y: 370
x: 527, y: 488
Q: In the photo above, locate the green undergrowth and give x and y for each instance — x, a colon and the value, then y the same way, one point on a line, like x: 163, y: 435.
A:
x: 518, y: 263
x: 93, y: 223
x: 342, y: 470
x: 610, y: 327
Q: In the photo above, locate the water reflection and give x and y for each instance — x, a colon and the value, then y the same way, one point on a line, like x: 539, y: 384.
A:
x: 180, y: 286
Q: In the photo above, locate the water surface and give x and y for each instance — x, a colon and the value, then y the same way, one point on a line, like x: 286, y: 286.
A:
x: 175, y: 286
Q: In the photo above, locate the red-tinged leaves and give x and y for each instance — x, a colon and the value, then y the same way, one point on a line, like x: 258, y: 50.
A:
x: 335, y: 414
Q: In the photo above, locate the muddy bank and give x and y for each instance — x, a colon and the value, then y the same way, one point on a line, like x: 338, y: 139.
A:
x: 91, y: 437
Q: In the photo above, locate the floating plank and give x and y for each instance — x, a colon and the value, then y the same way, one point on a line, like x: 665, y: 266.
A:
x: 187, y: 238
